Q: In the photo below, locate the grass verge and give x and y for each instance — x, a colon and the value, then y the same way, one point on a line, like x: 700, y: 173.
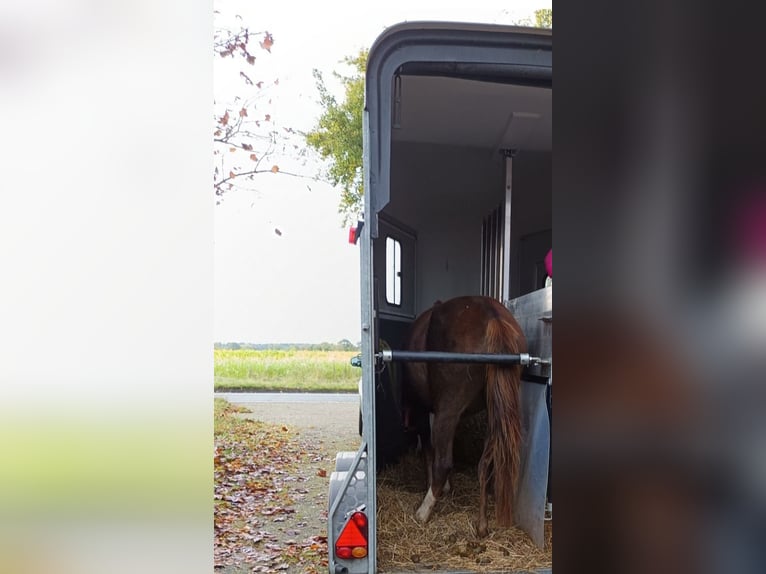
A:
x: 285, y: 370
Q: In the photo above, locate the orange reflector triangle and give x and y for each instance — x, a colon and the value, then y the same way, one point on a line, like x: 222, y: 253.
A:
x: 351, y: 536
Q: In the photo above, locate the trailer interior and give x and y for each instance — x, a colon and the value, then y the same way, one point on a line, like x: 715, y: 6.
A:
x: 470, y: 154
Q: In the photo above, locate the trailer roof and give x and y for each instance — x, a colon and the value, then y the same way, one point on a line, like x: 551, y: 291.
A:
x: 484, y: 86
x: 419, y: 26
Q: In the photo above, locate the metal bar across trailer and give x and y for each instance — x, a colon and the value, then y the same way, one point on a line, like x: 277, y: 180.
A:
x: 388, y: 355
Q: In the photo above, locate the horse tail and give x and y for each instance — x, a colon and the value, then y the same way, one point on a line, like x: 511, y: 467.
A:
x: 503, y: 414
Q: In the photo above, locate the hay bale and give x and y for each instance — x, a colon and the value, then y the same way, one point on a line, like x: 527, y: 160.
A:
x: 448, y: 540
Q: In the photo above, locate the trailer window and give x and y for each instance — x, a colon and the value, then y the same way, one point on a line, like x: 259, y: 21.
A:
x: 393, y: 271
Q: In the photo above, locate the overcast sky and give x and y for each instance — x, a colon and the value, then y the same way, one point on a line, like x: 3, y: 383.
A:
x: 303, y: 285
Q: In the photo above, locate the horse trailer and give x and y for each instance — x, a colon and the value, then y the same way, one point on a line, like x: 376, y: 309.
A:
x: 457, y: 201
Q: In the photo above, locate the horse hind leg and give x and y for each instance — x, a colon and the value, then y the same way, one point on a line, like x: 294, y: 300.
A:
x: 426, y: 507
x: 424, y: 432
x: 442, y: 436
x: 484, y: 476
x: 429, y: 454
x: 423, y: 513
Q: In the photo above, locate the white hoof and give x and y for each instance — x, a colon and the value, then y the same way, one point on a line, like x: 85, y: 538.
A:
x: 424, y: 512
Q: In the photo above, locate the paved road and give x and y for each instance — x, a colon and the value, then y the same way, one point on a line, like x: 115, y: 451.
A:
x: 247, y: 398
x: 334, y: 416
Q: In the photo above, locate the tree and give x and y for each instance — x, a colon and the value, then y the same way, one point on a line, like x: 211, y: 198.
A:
x: 544, y: 18
x: 345, y: 345
x: 246, y: 138
x: 338, y: 134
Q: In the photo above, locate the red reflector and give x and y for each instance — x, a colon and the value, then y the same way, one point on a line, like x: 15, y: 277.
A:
x: 360, y: 519
x: 352, y: 235
x: 353, y: 539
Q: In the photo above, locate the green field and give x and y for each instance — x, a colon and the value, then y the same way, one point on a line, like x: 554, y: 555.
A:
x: 285, y: 370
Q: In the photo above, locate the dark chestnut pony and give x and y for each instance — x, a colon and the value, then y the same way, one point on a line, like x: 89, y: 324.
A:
x: 469, y: 324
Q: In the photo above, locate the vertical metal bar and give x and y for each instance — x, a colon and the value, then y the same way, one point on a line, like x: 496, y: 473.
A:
x: 483, y: 256
x: 493, y: 290
x: 488, y: 255
x: 492, y: 254
x: 498, y: 250
x: 490, y: 259
x: 499, y: 282
x: 368, y: 317
x: 507, y: 232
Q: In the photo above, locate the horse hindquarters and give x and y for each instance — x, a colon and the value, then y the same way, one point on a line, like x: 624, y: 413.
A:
x: 470, y: 324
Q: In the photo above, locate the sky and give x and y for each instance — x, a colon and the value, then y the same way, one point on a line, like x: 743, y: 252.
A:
x: 303, y: 286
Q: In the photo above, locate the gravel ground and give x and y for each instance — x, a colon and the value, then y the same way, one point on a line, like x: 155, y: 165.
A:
x: 329, y: 427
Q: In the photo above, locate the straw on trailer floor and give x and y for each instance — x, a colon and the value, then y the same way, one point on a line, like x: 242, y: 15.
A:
x: 448, y: 540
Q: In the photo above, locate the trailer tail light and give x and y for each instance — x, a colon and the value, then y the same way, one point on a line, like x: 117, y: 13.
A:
x: 354, y: 233
x: 352, y: 542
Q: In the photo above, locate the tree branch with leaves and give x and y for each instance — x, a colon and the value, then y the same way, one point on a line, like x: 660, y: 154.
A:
x: 544, y: 18
x: 247, y: 140
x: 337, y: 136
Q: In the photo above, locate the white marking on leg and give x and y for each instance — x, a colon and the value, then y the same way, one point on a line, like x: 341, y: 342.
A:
x: 427, y: 506
x: 447, y: 486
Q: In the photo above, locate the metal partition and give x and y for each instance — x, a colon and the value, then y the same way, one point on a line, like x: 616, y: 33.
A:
x: 492, y: 234
x: 534, y: 313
